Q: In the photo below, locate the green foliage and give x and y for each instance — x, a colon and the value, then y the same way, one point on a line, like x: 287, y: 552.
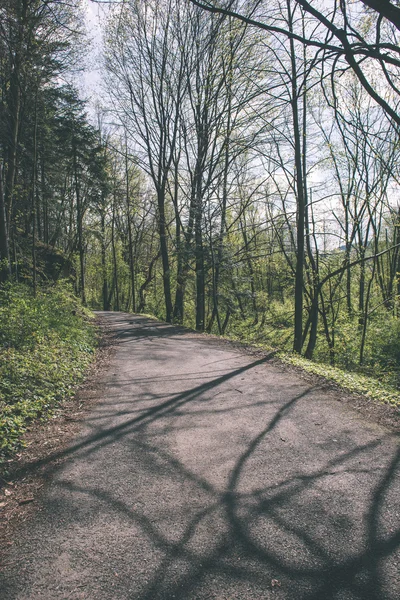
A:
x: 383, y: 345
x: 272, y: 330
x: 379, y: 375
x: 46, y: 344
x: 354, y: 382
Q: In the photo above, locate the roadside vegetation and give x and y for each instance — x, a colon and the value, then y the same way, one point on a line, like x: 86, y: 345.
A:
x: 377, y: 376
x: 47, y: 342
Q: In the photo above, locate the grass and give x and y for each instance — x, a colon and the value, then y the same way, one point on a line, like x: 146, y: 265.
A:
x: 46, y: 345
x: 351, y: 381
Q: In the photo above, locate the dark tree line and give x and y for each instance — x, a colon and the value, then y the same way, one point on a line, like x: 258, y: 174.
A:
x: 51, y: 163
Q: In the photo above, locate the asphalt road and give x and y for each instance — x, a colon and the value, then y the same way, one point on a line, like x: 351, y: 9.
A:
x: 206, y: 473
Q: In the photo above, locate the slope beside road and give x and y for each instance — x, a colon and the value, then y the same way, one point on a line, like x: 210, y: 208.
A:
x: 201, y: 473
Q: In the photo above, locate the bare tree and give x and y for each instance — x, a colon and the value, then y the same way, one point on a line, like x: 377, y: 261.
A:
x: 146, y: 83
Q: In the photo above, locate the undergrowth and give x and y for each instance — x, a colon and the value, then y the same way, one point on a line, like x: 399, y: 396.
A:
x: 46, y: 345
x: 354, y: 382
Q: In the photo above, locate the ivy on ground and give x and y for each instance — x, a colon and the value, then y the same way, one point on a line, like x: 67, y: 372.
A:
x: 46, y: 344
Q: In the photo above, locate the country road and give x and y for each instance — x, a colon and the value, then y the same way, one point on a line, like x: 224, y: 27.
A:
x: 203, y: 473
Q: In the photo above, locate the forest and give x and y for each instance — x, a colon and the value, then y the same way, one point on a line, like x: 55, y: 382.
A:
x: 238, y: 172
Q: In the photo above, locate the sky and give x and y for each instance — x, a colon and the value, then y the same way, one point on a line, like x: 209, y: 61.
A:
x: 90, y: 82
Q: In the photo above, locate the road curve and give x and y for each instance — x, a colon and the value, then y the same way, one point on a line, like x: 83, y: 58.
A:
x: 204, y: 473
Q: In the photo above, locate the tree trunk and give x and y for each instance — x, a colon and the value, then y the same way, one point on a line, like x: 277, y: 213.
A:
x: 106, y: 305
x: 180, y: 273
x: 114, y: 254
x: 79, y: 225
x: 312, y: 340
x: 33, y: 206
x: 146, y: 283
x: 200, y: 275
x: 5, y: 263
x: 15, y: 103
x: 45, y: 203
x: 164, y: 255
x: 249, y: 262
x: 130, y: 238
x: 299, y: 273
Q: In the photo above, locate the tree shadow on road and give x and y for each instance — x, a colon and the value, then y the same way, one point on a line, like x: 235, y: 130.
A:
x: 318, y: 530
x: 285, y: 551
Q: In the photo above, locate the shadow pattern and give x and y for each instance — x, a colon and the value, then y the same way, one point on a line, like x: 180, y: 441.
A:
x: 195, y: 493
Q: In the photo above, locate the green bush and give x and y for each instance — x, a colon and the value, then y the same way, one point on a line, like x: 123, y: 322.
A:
x: 46, y: 344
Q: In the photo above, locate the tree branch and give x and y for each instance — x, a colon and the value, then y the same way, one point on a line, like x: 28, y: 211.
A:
x: 346, y: 49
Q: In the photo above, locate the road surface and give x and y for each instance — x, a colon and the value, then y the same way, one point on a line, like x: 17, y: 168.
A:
x: 205, y: 473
